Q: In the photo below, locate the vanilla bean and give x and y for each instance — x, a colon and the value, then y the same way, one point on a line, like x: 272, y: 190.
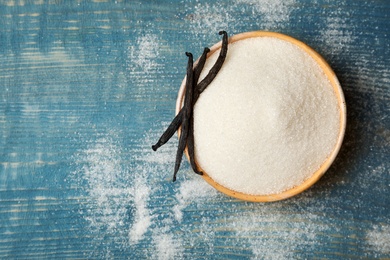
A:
x: 170, y: 131
x: 184, y: 118
x: 216, y: 67
x: 199, y: 67
x: 176, y: 122
x: 191, y: 147
x: 190, y: 141
x: 198, y: 90
x: 187, y: 114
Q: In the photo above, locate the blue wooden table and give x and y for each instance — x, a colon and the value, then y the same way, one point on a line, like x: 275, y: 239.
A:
x: 86, y: 87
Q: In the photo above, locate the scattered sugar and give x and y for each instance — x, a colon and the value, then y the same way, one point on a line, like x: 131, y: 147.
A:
x: 268, y: 120
x: 271, y: 236
x: 113, y: 195
x: 272, y: 12
x: 144, y: 52
x: 208, y: 18
x: 337, y: 34
x: 142, y: 219
x: 101, y: 172
x: 119, y: 195
x: 379, y: 239
x: 167, y: 247
x: 187, y: 192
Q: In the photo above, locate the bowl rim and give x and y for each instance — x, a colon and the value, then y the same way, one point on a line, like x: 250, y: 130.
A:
x: 342, y: 109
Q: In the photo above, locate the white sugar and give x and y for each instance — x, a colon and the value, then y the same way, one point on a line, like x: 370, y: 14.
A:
x: 273, y: 12
x: 379, y: 239
x: 186, y: 195
x: 268, y: 120
x: 144, y: 53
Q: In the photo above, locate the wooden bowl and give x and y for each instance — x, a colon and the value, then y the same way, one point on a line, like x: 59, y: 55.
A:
x: 342, y: 109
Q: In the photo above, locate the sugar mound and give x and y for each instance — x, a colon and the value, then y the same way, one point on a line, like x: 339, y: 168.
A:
x: 268, y: 120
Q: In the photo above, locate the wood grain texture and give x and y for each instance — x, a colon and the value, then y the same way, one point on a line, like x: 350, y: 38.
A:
x: 87, y: 87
